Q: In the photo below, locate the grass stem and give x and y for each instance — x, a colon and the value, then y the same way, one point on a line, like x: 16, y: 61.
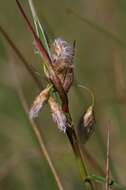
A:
x: 37, y: 133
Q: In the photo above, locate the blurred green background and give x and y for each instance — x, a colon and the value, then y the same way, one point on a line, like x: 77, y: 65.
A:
x: 99, y: 28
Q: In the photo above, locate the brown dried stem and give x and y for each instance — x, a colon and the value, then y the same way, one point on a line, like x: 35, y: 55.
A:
x: 107, y: 160
x: 37, y: 132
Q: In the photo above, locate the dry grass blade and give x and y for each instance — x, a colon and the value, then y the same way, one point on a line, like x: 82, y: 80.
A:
x: 36, y: 131
x: 41, y: 143
x: 107, y: 161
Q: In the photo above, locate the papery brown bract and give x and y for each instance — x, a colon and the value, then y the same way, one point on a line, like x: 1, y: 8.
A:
x: 39, y: 102
x: 57, y: 114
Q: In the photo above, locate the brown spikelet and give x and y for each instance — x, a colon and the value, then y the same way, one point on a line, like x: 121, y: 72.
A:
x: 57, y: 114
x: 86, y: 125
x: 39, y: 102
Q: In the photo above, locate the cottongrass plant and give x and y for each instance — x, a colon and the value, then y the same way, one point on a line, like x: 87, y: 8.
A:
x: 58, y: 67
x: 58, y: 76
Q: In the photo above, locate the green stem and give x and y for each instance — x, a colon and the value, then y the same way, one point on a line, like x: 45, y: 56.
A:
x: 72, y: 136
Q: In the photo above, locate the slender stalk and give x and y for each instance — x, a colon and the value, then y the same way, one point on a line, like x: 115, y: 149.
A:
x: 107, y: 160
x: 35, y: 17
x: 38, y: 27
x: 37, y: 133
x: 102, y: 146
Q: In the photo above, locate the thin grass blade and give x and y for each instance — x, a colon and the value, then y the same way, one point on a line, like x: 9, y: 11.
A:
x: 38, y: 42
x: 107, y: 160
x: 39, y: 28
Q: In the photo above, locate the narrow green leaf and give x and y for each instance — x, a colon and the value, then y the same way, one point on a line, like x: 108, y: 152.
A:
x: 39, y: 28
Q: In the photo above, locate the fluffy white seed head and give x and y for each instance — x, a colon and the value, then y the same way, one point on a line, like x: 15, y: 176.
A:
x: 62, y: 59
x: 62, y: 51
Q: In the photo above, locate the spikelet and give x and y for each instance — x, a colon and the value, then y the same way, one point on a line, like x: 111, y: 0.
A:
x: 88, y: 117
x: 39, y: 102
x: 57, y: 114
x: 62, y: 51
x: 86, y: 125
x: 62, y: 58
